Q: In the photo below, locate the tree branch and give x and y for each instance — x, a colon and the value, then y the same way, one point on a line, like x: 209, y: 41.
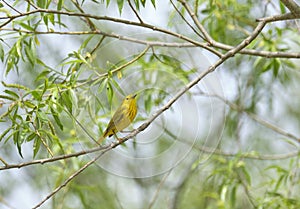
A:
x: 135, y: 12
x: 11, y: 7
x: 292, y: 6
x: 208, y: 38
x: 258, y: 119
x: 67, y: 181
x: 192, y: 42
x: 252, y: 155
x: 155, y: 196
x: 53, y: 159
x: 211, y: 69
x: 87, y: 20
x: 117, y: 20
x: 187, y: 22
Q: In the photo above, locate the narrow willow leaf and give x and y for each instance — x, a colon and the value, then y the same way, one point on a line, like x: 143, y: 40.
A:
x: 109, y: 92
x: 27, y: 27
x: 42, y: 116
x: 31, y: 137
x: 120, y: 5
x: 1, y: 53
x: 7, y: 97
x: 116, y: 85
x: 12, y: 93
x: 56, y: 118
x: 17, y: 86
x: 153, y: 3
x: 60, y: 4
x: 4, y: 133
x: 10, y: 109
x: 36, y: 146
x: 16, y: 138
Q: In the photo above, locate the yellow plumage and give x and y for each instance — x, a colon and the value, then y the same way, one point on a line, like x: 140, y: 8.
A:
x: 122, y: 118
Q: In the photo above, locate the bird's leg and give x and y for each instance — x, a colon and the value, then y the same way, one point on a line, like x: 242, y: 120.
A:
x: 117, y: 137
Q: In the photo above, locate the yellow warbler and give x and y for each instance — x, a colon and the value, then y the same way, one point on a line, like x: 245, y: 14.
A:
x: 122, y: 118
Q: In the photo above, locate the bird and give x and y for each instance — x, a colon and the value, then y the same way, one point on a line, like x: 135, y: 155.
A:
x: 122, y: 118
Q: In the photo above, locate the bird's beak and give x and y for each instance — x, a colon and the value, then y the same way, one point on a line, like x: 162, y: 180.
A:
x: 134, y: 96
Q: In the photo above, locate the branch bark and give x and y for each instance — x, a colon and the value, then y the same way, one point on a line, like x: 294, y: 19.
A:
x: 292, y: 6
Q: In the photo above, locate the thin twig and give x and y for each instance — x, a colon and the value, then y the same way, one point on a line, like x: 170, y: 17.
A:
x: 4, y: 162
x: 192, y: 42
x: 87, y: 20
x: 256, y: 118
x: 135, y: 12
x: 211, y: 69
x: 208, y: 38
x: 54, y: 159
x: 117, y: 20
x: 116, y: 69
x: 11, y: 7
x: 185, y: 20
x: 142, y: 127
x: 68, y: 180
x: 209, y: 150
x: 154, y: 198
x: 245, y: 186
x: 252, y: 155
x: 267, y: 54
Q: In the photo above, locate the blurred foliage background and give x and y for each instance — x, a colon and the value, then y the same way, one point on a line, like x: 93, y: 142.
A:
x: 230, y: 141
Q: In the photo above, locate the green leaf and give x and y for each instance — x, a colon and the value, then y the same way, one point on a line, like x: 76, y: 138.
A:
x: 1, y: 53
x: 56, y: 141
x: 12, y: 107
x: 27, y: 27
x: 65, y: 100
x: 52, y: 18
x: 148, y: 103
x: 36, y: 146
x: 143, y: 2
x: 86, y: 41
x: 282, y: 8
x: 276, y: 66
x: 60, y: 4
x: 153, y: 3
x: 31, y: 137
x: 120, y: 5
x: 278, y: 182
x: 30, y: 51
x: 116, y: 85
x: 246, y: 175
x: 109, y: 92
x: 56, y: 118
x: 102, y: 85
x: 17, y: 140
x: 45, y: 18
x: 107, y: 2
x: 7, y: 97
x: 18, y: 46
x: 4, y: 133
x: 233, y: 196
x: 42, y: 3
x: 42, y: 75
x: 42, y: 116
x: 137, y: 4
x: 36, y: 95
x: 16, y: 86
x: 11, y: 93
